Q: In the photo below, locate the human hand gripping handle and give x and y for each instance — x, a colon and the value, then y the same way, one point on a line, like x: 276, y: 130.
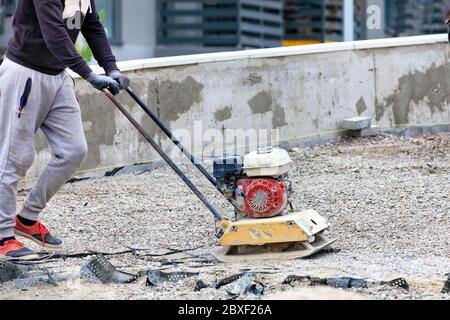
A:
x: 122, y: 80
x: 100, y: 82
x: 448, y: 31
x: 447, y: 21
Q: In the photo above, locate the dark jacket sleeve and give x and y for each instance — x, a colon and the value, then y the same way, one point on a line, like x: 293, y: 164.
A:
x: 95, y: 35
x: 446, y: 9
x: 50, y: 17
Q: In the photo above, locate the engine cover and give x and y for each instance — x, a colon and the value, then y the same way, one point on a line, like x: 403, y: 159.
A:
x: 263, y: 198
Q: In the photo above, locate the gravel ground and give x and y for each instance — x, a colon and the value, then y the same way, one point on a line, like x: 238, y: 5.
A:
x: 387, y: 200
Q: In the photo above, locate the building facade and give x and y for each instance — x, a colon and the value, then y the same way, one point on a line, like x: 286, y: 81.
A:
x: 187, y: 26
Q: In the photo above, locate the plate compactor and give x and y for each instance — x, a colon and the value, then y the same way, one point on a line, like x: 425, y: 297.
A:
x: 265, y: 225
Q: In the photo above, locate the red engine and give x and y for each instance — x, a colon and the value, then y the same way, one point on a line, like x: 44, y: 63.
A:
x: 262, y: 198
x: 257, y: 182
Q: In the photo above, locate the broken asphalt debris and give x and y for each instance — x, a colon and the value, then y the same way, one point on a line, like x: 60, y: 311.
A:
x: 345, y: 282
x: 9, y: 271
x: 167, y: 262
x: 399, y: 283
x: 201, y: 284
x: 113, y: 172
x: 226, y: 281
x: 99, y: 269
x: 246, y: 285
x: 44, y: 278
x: 291, y: 279
x: 156, y: 277
x: 76, y: 180
x: 24, y: 277
x: 446, y: 288
x: 33, y: 281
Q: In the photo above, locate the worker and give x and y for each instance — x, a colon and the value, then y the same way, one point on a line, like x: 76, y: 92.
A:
x: 446, y: 5
x: 37, y: 92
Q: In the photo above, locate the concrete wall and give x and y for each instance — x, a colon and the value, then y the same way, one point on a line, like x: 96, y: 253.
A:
x: 304, y: 92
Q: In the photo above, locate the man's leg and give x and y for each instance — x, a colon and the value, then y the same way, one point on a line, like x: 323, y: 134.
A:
x: 17, y: 138
x: 63, y: 128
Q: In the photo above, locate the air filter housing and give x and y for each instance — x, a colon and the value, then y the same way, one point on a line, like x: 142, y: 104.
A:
x: 267, y: 163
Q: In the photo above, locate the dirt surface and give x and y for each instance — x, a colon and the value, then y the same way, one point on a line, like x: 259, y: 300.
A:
x: 387, y: 199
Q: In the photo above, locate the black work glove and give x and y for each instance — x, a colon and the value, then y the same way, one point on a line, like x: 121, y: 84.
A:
x: 447, y: 22
x: 448, y: 28
x: 103, y: 82
x: 123, y: 81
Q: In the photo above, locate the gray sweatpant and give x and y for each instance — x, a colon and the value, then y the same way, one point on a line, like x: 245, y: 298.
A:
x: 53, y: 108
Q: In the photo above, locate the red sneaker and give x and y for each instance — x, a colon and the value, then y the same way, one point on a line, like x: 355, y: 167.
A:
x: 13, y: 249
x: 37, y: 233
